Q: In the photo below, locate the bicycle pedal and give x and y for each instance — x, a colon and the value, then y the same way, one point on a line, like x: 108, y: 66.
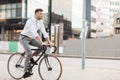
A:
x: 27, y: 74
x: 29, y: 69
x: 33, y: 62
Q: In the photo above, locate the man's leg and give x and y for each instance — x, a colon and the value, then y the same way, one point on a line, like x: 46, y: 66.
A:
x: 25, y: 42
x: 28, y: 53
x: 36, y: 44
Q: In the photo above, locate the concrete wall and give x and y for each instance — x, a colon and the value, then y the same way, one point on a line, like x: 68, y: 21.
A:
x: 4, y: 47
x: 102, y: 47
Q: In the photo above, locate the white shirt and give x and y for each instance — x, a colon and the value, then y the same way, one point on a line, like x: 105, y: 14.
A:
x: 32, y: 26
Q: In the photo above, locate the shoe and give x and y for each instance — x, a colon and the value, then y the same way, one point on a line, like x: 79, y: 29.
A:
x: 33, y: 61
x: 27, y: 74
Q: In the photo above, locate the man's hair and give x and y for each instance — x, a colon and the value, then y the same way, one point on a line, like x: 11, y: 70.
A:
x: 37, y: 10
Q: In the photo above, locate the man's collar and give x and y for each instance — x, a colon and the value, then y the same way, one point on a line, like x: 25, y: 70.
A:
x: 34, y: 19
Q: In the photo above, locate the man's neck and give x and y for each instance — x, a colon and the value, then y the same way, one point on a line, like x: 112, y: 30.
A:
x: 37, y: 18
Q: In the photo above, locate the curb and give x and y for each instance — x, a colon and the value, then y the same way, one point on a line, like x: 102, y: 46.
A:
x: 73, y: 56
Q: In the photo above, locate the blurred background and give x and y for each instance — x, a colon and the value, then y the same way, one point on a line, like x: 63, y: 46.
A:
x: 64, y: 21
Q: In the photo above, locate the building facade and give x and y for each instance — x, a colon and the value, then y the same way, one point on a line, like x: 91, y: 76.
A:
x: 106, y: 10
x: 14, y: 13
x: 11, y: 18
x: 56, y: 19
x: 116, y: 23
x: 104, y: 13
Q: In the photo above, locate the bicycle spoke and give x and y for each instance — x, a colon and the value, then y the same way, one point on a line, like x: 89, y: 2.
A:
x: 50, y: 68
x: 15, y: 67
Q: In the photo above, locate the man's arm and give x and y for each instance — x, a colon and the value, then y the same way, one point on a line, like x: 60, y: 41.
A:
x: 47, y: 39
x: 46, y: 36
x: 49, y: 42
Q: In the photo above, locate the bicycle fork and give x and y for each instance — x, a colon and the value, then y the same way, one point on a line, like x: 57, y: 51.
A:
x: 47, y: 63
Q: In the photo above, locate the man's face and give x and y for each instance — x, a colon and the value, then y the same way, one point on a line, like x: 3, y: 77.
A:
x: 39, y: 15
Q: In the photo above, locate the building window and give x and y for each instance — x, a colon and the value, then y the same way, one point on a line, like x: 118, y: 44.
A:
x: 18, y: 12
x: 0, y: 7
x: 118, y: 21
x: 93, y: 20
x: 3, y: 7
x: 13, y: 6
x: 19, y: 5
x: 13, y: 13
x: 93, y: 8
x: 8, y: 14
x: 8, y: 6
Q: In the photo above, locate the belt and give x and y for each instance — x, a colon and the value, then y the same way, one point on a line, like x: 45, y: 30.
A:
x: 24, y: 35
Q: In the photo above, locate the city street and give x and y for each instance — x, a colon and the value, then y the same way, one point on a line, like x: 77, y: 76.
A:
x: 96, y: 69
x: 78, y: 29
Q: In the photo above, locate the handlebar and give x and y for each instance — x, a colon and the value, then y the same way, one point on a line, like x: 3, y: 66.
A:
x: 45, y: 48
x: 55, y: 49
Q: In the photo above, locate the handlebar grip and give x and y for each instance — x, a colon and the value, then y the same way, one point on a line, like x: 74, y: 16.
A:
x: 44, y: 48
x: 55, y: 49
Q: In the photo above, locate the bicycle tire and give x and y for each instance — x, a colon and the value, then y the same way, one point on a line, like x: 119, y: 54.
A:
x: 45, y: 74
x: 13, y: 71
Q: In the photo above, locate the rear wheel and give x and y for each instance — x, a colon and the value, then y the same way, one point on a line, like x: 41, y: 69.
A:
x: 15, y: 65
x: 50, y: 68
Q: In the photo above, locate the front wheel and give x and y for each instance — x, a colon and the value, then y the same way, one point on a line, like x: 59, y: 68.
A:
x: 15, y: 66
x: 50, y: 68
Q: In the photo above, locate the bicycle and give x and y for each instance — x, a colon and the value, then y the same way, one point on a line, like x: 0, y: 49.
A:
x: 49, y: 67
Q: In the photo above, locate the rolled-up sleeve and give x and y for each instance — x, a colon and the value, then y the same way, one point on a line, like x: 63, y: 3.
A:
x: 45, y: 34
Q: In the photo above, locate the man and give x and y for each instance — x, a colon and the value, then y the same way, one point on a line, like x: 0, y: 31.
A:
x: 29, y: 36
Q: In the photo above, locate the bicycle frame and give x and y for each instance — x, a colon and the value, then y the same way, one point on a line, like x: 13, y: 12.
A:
x: 47, y: 63
x: 43, y: 54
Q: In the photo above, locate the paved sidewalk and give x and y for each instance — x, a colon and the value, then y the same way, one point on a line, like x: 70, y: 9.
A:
x: 96, y: 69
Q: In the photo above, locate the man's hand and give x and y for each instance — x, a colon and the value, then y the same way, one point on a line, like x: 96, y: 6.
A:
x: 51, y: 44
x: 43, y: 43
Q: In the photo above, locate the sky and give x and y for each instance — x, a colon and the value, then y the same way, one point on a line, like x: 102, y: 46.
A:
x: 77, y: 11
x: 72, y: 10
x: 39, y: 4
x: 63, y: 7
